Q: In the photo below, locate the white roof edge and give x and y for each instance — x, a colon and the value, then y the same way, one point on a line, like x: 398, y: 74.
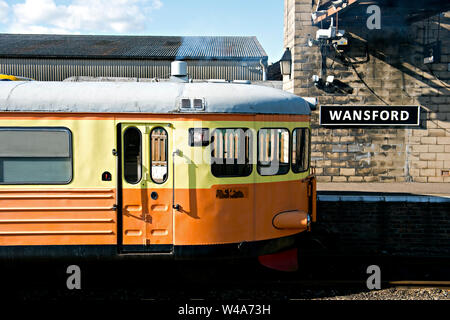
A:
x: 159, y: 97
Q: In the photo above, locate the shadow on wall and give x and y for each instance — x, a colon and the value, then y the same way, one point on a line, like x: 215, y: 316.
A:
x: 390, y: 61
x: 386, y: 67
x: 401, y: 45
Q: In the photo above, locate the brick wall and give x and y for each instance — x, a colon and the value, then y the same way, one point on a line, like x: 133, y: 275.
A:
x: 388, y: 228
x: 390, y: 61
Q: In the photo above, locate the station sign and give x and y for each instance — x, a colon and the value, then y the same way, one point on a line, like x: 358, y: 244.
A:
x: 339, y: 115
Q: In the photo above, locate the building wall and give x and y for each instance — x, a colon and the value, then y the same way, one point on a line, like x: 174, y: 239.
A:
x: 390, y: 62
x: 401, y: 228
x: 60, y: 69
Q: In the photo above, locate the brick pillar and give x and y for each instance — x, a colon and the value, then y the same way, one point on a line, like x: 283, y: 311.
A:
x: 390, y: 61
x: 306, y: 60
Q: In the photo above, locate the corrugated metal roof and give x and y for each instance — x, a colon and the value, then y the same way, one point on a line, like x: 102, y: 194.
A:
x: 142, y: 47
x: 158, y: 97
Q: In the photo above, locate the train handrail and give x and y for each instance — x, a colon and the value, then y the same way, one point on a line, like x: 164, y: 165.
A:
x: 177, y: 152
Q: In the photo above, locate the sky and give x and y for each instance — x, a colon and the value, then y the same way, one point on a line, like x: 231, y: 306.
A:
x: 260, y: 18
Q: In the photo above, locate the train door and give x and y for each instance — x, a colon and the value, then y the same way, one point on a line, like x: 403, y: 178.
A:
x: 145, y: 186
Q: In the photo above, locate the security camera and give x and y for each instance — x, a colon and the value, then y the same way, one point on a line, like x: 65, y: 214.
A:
x: 315, y: 78
x: 318, y: 82
x: 329, y: 80
x: 338, y: 3
x: 330, y: 33
x: 312, y: 42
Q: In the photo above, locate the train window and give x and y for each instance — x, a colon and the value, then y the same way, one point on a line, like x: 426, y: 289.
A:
x: 132, y: 155
x: 301, y: 140
x: 273, y: 151
x: 231, y: 152
x: 158, y: 149
x: 35, y: 155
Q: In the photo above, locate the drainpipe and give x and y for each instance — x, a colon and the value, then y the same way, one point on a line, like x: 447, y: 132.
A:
x: 263, y: 64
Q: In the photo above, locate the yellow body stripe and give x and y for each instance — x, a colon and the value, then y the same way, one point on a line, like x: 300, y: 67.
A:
x: 94, y: 140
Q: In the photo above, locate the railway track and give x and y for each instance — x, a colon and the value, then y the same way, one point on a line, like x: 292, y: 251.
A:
x: 356, y: 283
x: 420, y: 284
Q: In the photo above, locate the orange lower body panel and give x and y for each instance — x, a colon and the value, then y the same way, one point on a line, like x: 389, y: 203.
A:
x: 57, y: 217
x: 223, y: 214
x: 220, y: 215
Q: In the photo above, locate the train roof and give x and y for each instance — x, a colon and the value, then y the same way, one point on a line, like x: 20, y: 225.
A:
x: 159, y: 97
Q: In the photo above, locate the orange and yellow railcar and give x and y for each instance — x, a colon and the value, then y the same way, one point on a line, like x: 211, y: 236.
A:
x: 152, y: 169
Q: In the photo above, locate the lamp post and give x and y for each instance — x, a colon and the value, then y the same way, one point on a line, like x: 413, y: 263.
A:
x: 286, y: 63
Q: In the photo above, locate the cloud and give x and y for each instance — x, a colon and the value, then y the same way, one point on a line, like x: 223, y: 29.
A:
x: 4, y: 10
x: 82, y: 16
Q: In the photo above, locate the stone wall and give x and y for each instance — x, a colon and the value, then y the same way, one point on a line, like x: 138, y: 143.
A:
x: 387, y: 228
x: 378, y: 67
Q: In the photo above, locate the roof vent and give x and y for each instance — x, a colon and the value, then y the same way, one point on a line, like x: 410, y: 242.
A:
x: 178, y: 71
x: 191, y: 105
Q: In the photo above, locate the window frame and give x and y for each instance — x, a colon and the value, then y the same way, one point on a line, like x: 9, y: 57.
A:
x: 289, y: 152
x: 140, y: 156
x: 250, y: 153
x: 64, y: 129
x: 166, y: 152
x: 309, y: 149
